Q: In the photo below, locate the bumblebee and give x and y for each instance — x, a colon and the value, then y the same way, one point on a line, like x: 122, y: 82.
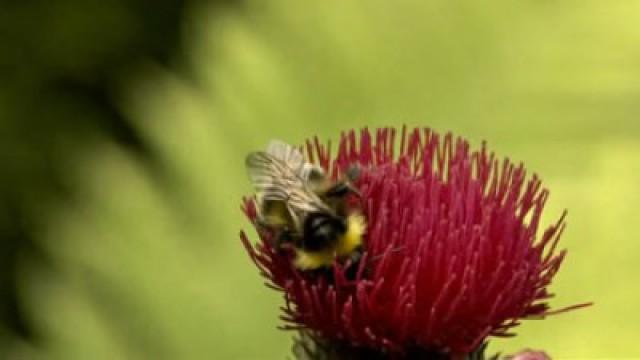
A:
x: 303, y: 208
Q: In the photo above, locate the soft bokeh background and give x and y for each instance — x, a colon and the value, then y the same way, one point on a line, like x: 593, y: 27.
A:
x: 124, y: 126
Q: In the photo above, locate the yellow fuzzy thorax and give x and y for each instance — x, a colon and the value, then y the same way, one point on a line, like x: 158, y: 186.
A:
x: 345, y: 246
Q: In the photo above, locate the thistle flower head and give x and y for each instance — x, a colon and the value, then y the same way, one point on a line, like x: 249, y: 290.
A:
x: 452, y: 254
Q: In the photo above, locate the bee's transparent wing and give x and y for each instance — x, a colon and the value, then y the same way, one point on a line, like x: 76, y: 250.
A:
x: 295, y: 160
x: 287, y: 154
x: 275, y: 180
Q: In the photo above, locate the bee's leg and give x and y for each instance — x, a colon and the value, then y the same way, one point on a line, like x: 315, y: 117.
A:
x: 325, y: 272
x: 286, y: 239
x: 353, y: 267
x: 341, y: 189
x: 353, y: 172
x: 279, y: 238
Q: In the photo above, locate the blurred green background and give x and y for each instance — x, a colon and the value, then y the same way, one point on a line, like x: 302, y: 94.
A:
x: 124, y: 124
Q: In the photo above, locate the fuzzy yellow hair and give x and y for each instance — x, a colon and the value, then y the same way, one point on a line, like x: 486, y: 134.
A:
x: 345, y: 246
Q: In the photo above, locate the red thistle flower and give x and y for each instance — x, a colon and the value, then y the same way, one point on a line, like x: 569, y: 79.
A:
x: 451, y: 256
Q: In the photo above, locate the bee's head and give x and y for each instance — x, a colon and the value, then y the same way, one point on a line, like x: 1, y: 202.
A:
x: 321, y: 230
x: 344, y: 187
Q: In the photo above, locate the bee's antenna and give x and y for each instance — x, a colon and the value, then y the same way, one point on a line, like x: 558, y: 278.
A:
x: 380, y: 256
x: 355, y: 191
